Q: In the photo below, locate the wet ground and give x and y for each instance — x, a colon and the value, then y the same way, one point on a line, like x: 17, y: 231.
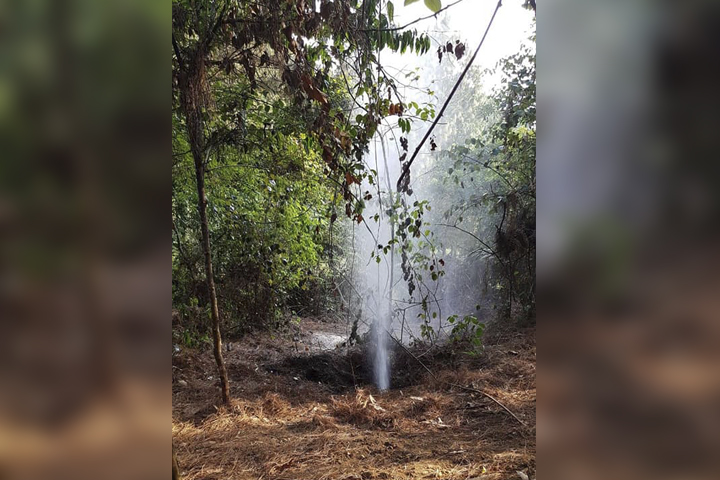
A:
x: 326, y: 341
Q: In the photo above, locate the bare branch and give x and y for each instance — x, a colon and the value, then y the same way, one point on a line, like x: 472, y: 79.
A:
x: 395, y: 29
x: 406, y: 169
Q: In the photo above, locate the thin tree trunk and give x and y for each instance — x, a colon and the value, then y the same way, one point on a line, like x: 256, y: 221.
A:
x: 190, y: 91
x: 217, y: 339
x: 175, y: 469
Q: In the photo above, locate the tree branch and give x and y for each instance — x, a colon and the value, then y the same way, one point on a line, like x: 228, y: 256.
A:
x: 494, y: 170
x: 177, y: 51
x: 481, y: 242
x: 395, y: 29
x: 218, y: 21
x: 406, y: 168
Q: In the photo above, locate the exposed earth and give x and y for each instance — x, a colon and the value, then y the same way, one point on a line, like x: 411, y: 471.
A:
x: 304, y: 408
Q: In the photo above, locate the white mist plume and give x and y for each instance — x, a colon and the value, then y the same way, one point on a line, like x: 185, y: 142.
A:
x: 386, y: 306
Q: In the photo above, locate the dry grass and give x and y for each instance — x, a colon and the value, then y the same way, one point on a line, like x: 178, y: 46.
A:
x: 282, y: 426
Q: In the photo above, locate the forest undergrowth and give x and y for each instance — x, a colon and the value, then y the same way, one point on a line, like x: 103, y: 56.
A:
x: 302, y: 412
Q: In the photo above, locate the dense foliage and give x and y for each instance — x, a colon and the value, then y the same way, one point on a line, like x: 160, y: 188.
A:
x: 264, y: 130
x: 269, y: 211
x: 274, y: 106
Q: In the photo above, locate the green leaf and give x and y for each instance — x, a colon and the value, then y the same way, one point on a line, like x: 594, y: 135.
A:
x: 409, y: 2
x: 434, y: 5
x: 391, y: 11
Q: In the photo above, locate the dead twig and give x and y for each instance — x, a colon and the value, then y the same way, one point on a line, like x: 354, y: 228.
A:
x: 485, y: 394
x: 491, y: 398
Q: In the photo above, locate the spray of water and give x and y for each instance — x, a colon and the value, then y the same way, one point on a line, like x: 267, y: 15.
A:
x: 381, y: 361
x: 388, y: 307
x: 378, y: 277
x: 379, y: 290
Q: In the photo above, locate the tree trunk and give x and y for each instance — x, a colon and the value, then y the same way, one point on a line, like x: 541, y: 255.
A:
x: 175, y: 469
x: 191, y: 82
x: 217, y: 340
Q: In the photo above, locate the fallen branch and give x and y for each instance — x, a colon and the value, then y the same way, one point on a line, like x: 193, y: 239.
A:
x: 485, y: 394
x: 411, y: 354
x: 491, y: 398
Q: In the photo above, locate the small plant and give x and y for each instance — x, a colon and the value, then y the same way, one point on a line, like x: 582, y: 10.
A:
x: 428, y: 332
x: 469, y: 328
x: 193, y: 339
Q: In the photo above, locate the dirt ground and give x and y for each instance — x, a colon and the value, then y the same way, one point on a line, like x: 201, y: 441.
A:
x: 302, y: 412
